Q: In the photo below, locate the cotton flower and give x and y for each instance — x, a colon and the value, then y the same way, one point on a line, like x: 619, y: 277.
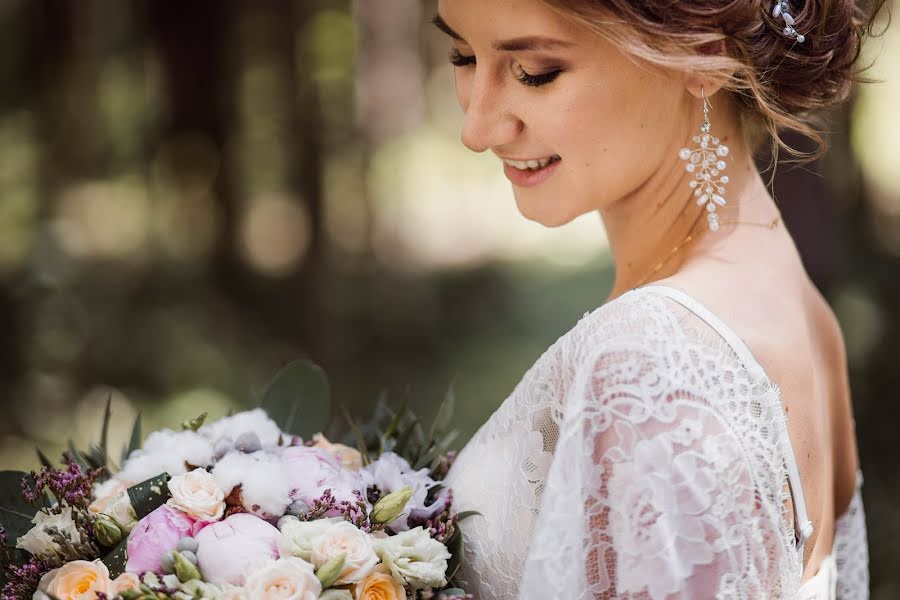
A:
x: 392, y: 472
x: 231, y: 428
x: 288, y: 578
x: 167, y: 451
x: 356, y: 546
x: 225, y: 548
x: 414, y: 557
x: 198, y: 495
x: 265, y: 489
x: 38, y: 540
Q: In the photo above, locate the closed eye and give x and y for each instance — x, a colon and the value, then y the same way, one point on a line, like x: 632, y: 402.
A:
x: 458, y: 59
x: 535, y: 80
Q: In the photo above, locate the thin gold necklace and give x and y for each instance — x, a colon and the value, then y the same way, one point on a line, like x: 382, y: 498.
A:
x: 769, y: 225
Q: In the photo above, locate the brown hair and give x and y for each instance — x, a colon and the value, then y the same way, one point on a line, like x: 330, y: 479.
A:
x: 778, y: 83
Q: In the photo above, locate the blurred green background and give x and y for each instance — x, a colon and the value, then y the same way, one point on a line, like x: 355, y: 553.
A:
x: 194, y: 193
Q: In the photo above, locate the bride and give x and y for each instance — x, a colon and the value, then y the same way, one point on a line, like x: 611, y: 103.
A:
x: 693, y: 436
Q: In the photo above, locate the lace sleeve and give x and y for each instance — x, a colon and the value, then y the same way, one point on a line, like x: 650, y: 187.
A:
x: 851, y: 550
x: 650, y: 493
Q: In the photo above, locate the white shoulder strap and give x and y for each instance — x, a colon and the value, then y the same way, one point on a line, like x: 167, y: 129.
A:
x: 802, y: 525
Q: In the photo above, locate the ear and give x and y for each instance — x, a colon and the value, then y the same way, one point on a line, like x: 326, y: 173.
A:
x: 710, y: 87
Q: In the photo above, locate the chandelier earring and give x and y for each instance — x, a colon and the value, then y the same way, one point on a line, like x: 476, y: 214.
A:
x: 706, y: 161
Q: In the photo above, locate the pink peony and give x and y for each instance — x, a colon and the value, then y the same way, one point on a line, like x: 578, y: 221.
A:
x: 153, y: 536
x: 310, y: 471
x: 226, y: 548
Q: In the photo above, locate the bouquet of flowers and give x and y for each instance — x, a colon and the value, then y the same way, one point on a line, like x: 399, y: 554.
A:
x: 244, y: 507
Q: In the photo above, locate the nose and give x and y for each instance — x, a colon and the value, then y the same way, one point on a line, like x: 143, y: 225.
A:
x: 488, y: 122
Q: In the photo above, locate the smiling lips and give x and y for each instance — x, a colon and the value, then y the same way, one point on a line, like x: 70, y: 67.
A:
x: 531, y: 164
x: 531, y: 172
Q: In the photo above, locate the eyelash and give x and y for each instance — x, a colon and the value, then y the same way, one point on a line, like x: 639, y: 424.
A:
x: 461, y: 60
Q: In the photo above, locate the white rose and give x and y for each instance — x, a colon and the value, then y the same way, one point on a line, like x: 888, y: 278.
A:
x: 414, y: 557
x: 197, y: 494
x: 297, y: 536
x: 112, y: 499
x: 232, y: 592
x: 356, y: 546
x: 288, y: 578
x: 37, y: 541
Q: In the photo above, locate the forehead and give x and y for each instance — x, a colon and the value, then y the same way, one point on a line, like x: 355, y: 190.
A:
x: 489, y: 20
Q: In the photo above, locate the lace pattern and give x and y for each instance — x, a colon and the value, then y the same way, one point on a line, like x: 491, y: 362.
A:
x: 851, y: 549
x: 637, y: 458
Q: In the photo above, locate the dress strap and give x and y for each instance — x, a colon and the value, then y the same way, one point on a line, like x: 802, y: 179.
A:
x: 803, y: 527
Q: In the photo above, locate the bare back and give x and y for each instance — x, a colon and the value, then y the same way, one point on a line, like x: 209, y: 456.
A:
x: 763, y: 293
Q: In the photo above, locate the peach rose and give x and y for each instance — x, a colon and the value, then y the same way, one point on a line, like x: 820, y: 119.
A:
x: 356, y: 546
x: 112, y: 499
x: 80, y: 580
x: 198, y: 495
x: 379, y: 585
x: 125, y: 582
x: 286, y: 578
x: 350, y: 457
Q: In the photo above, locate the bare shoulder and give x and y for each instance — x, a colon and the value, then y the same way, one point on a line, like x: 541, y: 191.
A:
x: 828, y: 330
x: 794, y: 334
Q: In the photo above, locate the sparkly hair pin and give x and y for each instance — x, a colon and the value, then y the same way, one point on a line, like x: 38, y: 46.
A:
x: 783, y: 9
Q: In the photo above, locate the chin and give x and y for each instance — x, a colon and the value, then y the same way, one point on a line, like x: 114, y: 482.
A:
x: 542, y: 208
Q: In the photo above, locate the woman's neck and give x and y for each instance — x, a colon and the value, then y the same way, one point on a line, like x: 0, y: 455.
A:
x: 644, y: 227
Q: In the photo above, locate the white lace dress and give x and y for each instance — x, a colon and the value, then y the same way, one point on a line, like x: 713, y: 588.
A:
x: 645, y: 455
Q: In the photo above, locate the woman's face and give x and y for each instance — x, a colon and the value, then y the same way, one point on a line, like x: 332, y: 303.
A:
x: 537, y: 87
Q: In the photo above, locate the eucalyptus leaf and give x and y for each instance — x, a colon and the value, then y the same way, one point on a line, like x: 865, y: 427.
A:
x: 77, y: 456
x: 298, y: 399
x: 404, y: 436
x: 457, y: 549
x: 444, y: 414
x: 15, y: 512
x: 466, y: 514
x: 104, y: 430
x: 149, y: 495
x: 135, y: 441
x: 45, y: 460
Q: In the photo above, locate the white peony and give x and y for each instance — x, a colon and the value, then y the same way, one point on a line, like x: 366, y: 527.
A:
x: 111, y: 499
x: 167, y: 451
x: 37, y: 541
x: 197, y: 494
x: 356, y: 546
x: 297, y: 536
x: 288, y: 578
x: 414, y: 557
x: 249, y: 421
x: 265, y: 490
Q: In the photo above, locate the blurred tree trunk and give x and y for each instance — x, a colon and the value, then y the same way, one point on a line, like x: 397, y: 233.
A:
x: 198, y: 80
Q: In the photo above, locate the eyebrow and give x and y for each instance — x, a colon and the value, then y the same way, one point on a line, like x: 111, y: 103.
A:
x: 514, y: 45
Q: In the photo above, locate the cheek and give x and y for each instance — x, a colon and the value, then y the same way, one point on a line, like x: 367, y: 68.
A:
x: 612, y: 138
x: 462, y: 82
